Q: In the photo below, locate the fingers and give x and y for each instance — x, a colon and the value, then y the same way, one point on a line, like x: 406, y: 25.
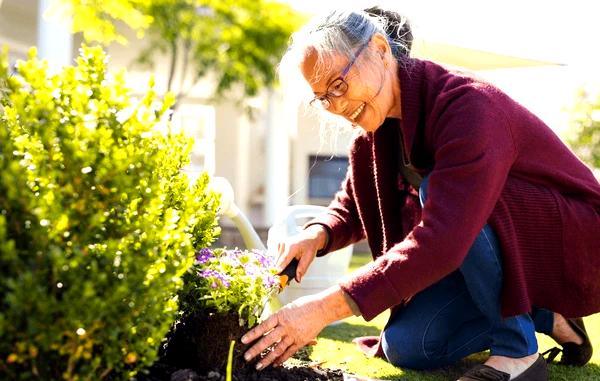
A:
x: 273, y: 337
x: 260, y: 330
x: 303, y: 265
x: 284, y: 258
x: 277, y: 352
x: 287, y: 354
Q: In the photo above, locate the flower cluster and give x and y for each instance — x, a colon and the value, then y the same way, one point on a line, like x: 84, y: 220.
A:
x: 230, y: 281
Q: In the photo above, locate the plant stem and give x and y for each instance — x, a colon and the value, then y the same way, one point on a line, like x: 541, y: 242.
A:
x: 230, y: 361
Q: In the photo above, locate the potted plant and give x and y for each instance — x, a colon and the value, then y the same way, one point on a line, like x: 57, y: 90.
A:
x: 223, y: 296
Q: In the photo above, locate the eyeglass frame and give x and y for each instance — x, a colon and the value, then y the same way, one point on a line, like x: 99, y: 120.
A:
x: 326, y: 97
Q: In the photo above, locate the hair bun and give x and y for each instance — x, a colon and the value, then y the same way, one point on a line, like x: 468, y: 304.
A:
x: 397, y: 27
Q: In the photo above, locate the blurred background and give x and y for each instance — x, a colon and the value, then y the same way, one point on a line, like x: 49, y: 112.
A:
x: 219, y: 58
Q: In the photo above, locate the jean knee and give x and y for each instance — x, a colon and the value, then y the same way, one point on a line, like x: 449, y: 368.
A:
x: 404, y: 349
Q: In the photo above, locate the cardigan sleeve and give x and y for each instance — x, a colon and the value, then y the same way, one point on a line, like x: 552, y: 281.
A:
x: 341, y: 219
x: 473, y: 150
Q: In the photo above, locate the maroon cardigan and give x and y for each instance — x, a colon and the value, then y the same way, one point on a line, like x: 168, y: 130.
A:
x: 489, y: 160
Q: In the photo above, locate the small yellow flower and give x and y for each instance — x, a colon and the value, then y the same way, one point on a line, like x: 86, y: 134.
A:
x: 130, y: 358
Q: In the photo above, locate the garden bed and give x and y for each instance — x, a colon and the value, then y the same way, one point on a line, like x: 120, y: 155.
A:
x: 284, y: 373
x: 196, y: 349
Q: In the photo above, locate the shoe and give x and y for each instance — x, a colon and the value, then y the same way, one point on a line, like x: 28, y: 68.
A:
x: 573, y: 354
x: 538, y: 371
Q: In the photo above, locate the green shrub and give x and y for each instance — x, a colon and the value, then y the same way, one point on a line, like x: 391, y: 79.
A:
x: 585, y: 127
x: 97, y: 222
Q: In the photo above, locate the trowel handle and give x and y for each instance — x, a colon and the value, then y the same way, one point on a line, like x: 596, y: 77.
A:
x: 288, y: 273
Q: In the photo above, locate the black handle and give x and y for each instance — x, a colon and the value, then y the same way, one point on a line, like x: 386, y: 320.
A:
x: 288, y: 273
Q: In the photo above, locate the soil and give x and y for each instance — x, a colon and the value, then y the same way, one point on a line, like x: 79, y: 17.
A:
x: 283, y: 373
x: 197, y: 347
x: 200, y: 341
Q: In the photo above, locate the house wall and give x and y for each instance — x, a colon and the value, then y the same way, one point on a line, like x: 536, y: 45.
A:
x: 18, y: 28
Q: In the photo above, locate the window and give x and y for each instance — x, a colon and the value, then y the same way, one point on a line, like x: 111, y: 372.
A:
x: 325, y: 176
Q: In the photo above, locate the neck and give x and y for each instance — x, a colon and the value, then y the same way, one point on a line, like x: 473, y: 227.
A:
x: 396, y: 106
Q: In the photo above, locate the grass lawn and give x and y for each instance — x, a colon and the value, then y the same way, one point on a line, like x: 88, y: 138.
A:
x: 336, y: 350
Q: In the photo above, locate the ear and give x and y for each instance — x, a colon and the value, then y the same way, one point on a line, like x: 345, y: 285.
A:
x: 380, y: 44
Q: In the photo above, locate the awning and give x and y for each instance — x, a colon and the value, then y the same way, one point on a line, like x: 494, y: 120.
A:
x: 471, y: 59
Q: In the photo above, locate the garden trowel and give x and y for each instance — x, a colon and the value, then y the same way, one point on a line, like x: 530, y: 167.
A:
x: 285, y: 277
x: 288, y: 274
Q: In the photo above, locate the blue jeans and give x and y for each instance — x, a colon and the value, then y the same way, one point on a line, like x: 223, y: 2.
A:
x: 460, y: 315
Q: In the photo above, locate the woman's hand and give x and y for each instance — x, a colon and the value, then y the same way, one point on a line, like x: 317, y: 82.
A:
x: 302, y: 246
x: 283, y: 333
x: 296, y: 325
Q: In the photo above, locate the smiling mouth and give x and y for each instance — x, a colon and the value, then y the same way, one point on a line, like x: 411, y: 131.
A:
x: 357, y: 112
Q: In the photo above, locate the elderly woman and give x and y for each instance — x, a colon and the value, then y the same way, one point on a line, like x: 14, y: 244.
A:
x: 484, y: 227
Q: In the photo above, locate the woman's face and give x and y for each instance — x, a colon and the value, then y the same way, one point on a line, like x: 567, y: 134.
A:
x: 369, y: 97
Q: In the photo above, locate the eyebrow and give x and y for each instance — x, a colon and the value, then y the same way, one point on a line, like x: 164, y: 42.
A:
x: 347, y: 67
x: 328, y: 82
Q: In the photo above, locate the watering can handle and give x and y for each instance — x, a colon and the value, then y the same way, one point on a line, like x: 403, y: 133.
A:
x: 296, y: 212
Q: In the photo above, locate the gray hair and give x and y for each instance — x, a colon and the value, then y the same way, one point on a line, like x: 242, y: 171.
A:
x: 340, y: 32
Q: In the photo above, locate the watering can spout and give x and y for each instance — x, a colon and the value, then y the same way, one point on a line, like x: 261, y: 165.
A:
x: 228, y: 208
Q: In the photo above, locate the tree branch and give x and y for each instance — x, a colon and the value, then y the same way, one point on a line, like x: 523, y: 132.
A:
x: 186, y: 60
x: 183, y: 93
x: 173, y: 64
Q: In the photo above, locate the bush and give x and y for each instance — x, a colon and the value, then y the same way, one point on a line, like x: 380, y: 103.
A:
x: 97, y: 223
x: 585, y: 123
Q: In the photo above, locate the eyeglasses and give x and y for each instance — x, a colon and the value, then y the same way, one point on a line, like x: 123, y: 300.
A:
x: 338, y: 86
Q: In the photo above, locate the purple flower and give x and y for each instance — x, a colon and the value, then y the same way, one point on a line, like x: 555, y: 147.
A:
x: 234, y: 262
x: 251, y: 269
x: 204, y: 256
x: 231, y: 257
x: 269, y: 281
x: 222, y: 278
x: 265, y: 260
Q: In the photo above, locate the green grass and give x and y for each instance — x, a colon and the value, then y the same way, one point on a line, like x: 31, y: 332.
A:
x: 336, y: 350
